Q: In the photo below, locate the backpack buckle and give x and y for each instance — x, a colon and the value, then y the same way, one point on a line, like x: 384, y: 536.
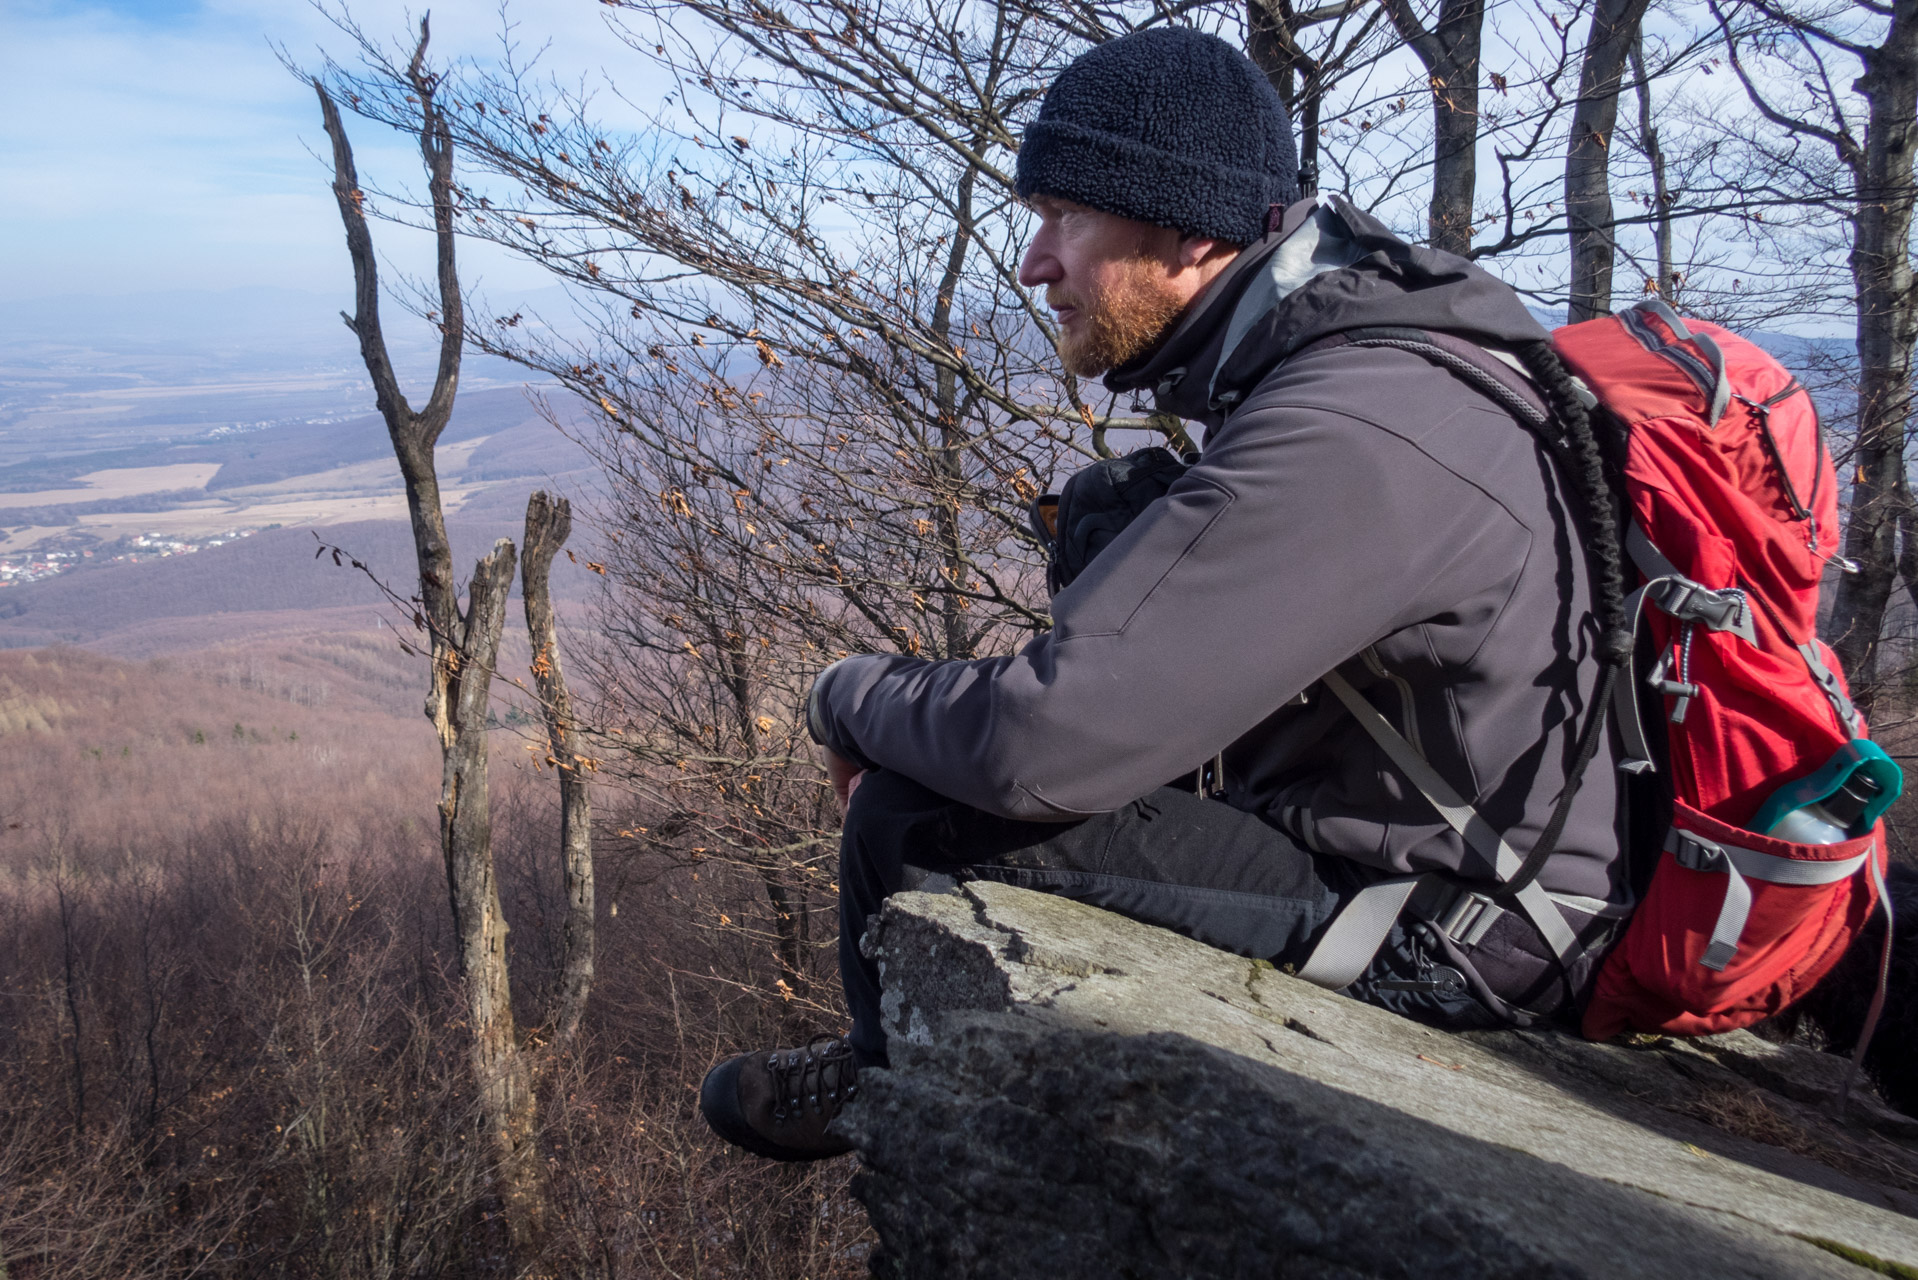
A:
x: 1688, y: 601
x: 1467, y: 918
x: 1696, y: 853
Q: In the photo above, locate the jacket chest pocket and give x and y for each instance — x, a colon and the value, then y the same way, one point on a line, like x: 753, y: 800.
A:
x: 1167, y: 539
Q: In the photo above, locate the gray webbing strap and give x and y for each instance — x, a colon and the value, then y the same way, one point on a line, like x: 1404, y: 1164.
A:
x: 1696, y: 853
x: 1718, y: 609
x: 1721, y: 394
x: 1678, y: 596
x: 1544, y: 915
x: 1663, y: 310
x: 1650, y: 560
x: 1722, y: 386
x: 1631, y: 730
x: 1462, y: 818
x: 1458, y: 814
x: 1357, y: 933
x: 1834, y: 692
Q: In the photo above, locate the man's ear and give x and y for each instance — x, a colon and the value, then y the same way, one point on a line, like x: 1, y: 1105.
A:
x: 1196, y: 251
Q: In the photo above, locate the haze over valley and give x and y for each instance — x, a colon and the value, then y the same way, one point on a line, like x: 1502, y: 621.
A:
x: 169, y: 457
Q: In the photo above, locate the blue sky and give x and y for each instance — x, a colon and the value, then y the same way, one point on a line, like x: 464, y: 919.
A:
x: 158, y: 144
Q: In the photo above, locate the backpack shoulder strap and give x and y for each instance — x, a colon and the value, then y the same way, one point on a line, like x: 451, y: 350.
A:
x: 1362, y: 924
x: 1498, y: 376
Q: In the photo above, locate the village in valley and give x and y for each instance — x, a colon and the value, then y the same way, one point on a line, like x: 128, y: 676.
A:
x: 53, y: 557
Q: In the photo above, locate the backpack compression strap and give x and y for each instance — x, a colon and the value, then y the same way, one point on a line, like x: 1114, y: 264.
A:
x: 1725, y: 609
x: 1362, y: 924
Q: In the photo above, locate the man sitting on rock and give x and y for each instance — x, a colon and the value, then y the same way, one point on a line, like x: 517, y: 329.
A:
x: 1361, y: 508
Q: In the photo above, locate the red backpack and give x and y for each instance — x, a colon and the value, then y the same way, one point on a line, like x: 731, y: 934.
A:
x: 1732, y: 518
x: 1731, y: 515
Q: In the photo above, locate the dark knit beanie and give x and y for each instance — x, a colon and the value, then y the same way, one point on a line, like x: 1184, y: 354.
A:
x: 1169, y: 126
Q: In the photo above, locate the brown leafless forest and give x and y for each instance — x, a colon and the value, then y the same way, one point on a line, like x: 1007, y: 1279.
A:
x: 237, y: 1020
x: 229, y: 1034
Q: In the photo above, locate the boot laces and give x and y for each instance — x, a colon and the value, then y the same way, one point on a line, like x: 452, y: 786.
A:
x: 819, y: 1078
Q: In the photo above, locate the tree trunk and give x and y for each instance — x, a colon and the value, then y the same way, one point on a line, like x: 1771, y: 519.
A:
x: 465, y: 650
x: 1666, y: 282
x: 1450, y: 54
x: 1273, y: 31
x: 500, y: 1067
x: 1273, y: 46
x: 1588, y: 191
x: 1887, y: 324
x: 549, y: 522
x: 955, y: 640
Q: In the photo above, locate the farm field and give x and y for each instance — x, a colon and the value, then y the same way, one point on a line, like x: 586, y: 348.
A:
x: 96, y: 507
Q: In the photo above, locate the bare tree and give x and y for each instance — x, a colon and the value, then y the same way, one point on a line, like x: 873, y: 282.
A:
x: 1302, y: 75
x: 1659, y: 196
x: 1871, y: 189
x: 1449, y: 52
x: 1588, y: 192
x: 1549, y: 119
x: 464, y: 650
x: 549, y: 522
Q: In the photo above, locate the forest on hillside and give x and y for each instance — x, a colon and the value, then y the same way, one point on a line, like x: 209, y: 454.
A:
x: 245, y: 1035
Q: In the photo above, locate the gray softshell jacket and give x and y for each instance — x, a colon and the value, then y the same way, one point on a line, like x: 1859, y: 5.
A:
x: 1355, y: 507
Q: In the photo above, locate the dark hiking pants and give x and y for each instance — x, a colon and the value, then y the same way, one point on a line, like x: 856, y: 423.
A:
x: 1170, y: 858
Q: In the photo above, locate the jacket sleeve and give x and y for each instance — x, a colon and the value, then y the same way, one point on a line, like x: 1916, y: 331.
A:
x: 1301, y: 538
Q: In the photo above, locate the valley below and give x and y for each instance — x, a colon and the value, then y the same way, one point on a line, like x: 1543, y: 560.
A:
x: 223, y: 905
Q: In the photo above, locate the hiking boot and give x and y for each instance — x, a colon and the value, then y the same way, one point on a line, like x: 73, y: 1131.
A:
x: 778, y: 1104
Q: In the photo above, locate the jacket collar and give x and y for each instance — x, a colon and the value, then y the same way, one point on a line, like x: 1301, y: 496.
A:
x: 1329, y: 268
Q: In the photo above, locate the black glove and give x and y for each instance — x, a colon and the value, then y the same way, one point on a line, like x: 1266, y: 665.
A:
x: 1095, y: 506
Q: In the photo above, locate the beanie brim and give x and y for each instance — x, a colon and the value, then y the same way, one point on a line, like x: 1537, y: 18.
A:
x: 1126, y: 177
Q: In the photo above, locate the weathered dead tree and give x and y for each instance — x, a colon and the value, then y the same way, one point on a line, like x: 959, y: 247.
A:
x: 465, y: 652
x: 549, y: 522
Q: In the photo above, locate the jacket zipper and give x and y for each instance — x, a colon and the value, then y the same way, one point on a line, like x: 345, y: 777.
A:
x: 1407, y: 708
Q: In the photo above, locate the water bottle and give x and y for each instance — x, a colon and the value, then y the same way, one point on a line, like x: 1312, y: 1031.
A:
x: 1831, y: 820
x: 1840, y: 800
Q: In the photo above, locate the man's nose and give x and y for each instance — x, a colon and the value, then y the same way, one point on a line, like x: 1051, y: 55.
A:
x: 1040, y: 265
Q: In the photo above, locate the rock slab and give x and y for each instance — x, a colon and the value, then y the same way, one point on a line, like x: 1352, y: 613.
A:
x: 1073, y: 1094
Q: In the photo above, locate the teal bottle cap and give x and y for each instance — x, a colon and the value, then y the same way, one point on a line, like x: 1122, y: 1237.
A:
x: 1860, y: 754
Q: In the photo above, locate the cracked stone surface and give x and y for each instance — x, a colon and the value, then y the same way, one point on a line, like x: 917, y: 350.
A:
x: 1077, y: 1095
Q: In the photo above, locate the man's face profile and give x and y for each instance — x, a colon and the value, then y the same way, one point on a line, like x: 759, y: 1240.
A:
x: 1115, y: 286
